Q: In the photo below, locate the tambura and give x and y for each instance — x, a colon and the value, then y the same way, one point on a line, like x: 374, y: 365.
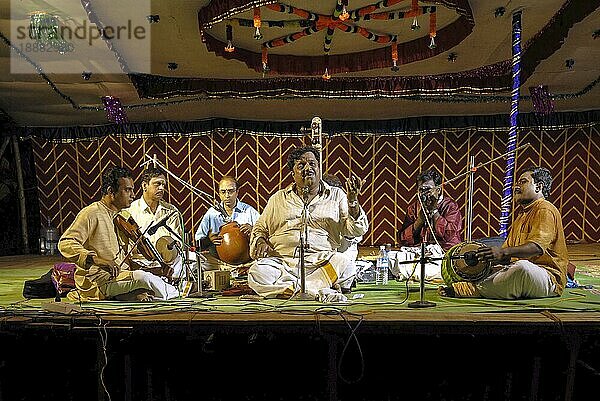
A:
x: 460, y: 264
x: 235, y: 248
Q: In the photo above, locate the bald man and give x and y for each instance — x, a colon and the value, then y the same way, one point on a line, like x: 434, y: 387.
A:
x: 207, y: 234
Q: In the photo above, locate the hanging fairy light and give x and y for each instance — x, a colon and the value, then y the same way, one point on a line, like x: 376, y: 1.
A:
x: 45, y: 30
x: 229, y: 30
x: 432, y: 27
x: 257, y: 24
x: 395, y: 56
x: 415, y: 11
x: 265, y: 60
x: 114, y: 109
x: 344, y: 15
x: 326, y: 76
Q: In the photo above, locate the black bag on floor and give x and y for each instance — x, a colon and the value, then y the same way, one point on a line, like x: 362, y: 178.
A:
x: 40, y: 287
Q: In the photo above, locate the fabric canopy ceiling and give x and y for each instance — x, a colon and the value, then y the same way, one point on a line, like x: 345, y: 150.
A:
x: 180, y: 77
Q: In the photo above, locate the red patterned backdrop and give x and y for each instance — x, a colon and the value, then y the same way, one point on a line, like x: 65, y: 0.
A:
x: 69, y: 173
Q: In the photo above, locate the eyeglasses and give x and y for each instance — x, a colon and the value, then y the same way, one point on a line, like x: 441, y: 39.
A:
x: 227, y: 191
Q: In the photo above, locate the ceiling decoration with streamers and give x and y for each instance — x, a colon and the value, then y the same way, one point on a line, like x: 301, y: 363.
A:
x: 284, y: 38
x: 251, y: 61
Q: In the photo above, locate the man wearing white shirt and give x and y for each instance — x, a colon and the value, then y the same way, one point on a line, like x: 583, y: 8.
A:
x: 331, y: 214
x: 150, y: 209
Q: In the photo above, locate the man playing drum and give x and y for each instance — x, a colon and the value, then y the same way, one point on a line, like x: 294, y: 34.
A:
x: 532, y: 262
x: 245, y: 215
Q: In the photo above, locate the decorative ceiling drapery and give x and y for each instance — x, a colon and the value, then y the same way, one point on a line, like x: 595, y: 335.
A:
x: 312, y: 22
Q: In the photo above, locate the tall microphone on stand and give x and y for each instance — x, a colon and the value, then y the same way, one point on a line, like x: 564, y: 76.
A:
x: 422, y: 303
x: 302, y: 295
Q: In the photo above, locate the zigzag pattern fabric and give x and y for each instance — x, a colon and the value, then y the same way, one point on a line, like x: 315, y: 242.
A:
x: 69, y: 173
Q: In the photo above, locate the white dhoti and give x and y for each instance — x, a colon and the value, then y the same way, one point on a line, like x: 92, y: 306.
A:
x: 270, y: 277
x: 522, y: 279
x: 129, y: 281
x: 412, y: 271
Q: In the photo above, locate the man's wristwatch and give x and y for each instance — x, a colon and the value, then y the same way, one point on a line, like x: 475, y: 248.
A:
x: 354, y: 203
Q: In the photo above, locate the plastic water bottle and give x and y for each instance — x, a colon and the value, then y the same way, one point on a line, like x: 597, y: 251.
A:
x: 381, y: 268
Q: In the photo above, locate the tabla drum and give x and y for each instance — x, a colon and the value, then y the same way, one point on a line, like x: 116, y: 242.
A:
x: 461, y: 264
x: 235, y: 247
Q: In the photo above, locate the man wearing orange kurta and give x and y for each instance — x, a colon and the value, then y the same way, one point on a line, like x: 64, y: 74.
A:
x: 535, y: 249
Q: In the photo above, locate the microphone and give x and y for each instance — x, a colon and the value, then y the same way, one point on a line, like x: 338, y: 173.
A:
x: 305, y: 191
x: 152, y: 230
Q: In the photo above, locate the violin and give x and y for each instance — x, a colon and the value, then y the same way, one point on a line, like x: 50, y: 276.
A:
x: 131, y: 229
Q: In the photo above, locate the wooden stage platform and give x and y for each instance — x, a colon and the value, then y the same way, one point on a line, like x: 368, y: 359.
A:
x: 374, y: 348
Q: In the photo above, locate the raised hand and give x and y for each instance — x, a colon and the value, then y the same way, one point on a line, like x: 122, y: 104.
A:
x: 353, y: 186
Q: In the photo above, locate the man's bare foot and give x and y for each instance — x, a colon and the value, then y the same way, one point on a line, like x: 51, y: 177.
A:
x: 144, y: 297
x: 446, y: 291
x: 461, y: 289
x: 139, y: 295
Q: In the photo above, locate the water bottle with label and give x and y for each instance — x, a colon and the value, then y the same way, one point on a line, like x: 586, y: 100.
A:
x: 381, y: 268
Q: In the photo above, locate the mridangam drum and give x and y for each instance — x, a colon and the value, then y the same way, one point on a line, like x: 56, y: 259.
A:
x: 461, y: 264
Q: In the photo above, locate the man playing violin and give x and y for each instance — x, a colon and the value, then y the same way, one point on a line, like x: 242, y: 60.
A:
x: 151, y: 208
x: 245, y: 215
x: 99, y: 249
x: 332, y: 214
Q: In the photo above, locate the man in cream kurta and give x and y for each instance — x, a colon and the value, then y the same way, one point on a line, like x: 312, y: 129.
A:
x: 98, y: 249
x: 276, y: 235
x: 151, y: 209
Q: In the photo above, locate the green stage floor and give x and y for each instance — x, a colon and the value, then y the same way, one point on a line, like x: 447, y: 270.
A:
x: 392, y: 297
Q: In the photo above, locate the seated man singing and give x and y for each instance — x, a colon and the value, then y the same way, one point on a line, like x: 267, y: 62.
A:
x: 98, y: 248
x: 532, y: 262
x: 275, y: 239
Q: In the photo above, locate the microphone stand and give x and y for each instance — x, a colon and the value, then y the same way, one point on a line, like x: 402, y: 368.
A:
x: 302, y: 295
x: 187, y: 247
x: 421, y: 303
x: 471, y: 170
